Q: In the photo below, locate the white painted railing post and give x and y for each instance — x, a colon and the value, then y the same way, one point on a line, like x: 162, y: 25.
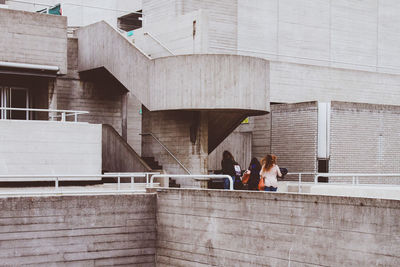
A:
x: 119, y: 183
x: 132, y: 182
x: 76, y: 117
x: 299, y: 182
x: 63, y: 116
x: 56, y: 182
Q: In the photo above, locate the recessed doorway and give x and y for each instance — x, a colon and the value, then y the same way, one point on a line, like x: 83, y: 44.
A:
x: 14, y: 97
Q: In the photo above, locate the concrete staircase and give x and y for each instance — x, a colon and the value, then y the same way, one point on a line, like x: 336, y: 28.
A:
x: 207, y: 95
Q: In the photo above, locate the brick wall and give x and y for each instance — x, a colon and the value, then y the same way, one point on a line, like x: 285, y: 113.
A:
x: 294, y: 136
x: 221, y: 228
x: 365, y: 139
x: 78, y: 230
x: 33, y: 38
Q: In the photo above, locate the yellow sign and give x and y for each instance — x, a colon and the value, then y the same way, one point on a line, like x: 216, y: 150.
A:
x: 245, y: 120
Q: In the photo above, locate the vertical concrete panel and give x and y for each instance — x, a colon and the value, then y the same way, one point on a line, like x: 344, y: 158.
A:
x: 41, y: 147
x: 33, y: 38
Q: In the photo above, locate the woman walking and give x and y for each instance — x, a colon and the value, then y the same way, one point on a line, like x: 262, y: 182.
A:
x: 269, y: 172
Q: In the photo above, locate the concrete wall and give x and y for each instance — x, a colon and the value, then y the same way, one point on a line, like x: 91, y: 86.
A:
x: 239, y: 144
x: 186, y: 34
x: 291, y: 82
x: 365, y: 139
x: 203, y: 228
x: 172, y: 128
x: 103, y: 101
x: 357, y: 35
x: 33, y: 38
x: 171, y: 83
x: 209, y: 82
x: 320, y: 50
x: 42, y: 147
x: 294, y: 136
x: 78, y: 230
x: 221, y: 16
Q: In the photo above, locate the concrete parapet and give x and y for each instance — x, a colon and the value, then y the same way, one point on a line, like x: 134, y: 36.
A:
x: 225, y: 228
x: 33, y: 38
x: 78, y: 230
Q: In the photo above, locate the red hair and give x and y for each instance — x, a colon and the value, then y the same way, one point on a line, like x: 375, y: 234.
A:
x: 268, y: 162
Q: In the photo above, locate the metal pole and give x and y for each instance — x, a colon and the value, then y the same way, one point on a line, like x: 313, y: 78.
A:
x: 119, y: 183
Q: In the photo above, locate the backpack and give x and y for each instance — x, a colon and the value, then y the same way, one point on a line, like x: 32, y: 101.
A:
x: 237, y: 183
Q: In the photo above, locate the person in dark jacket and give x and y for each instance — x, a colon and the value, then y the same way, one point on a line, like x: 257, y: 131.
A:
x: 254, y: 168
x: 228, y: 167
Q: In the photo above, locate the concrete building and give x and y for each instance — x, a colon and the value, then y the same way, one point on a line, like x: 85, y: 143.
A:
x: 184, y: 105
x: 195, y: 69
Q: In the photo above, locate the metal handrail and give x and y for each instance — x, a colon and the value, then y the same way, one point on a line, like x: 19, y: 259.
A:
x: 300, y: 174
x: 72, y: 177
x: 64, y: 113
x: 194, y: 176
x: 355, y: 176
x: 159, y: 42
x: 169, y: 152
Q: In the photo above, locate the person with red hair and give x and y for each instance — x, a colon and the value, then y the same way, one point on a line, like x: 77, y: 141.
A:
x: 269, y: 172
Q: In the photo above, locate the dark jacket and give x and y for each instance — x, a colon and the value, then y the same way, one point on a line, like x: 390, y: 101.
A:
x: 228, y: 167
x: 254, y: 177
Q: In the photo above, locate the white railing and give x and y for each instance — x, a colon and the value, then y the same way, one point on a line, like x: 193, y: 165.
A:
x: 81, y: 178
x: 195, y: 177
x: 300, y: 177
x: 147, y: 175
x: 53, y: 113
x: 355, y: 176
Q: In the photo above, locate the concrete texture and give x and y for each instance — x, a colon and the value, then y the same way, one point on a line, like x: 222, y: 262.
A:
x: 102, y: 100
x: 43, y: 147
x: 172, y: 128
x: 221, y: 228
x: 172, y: 83
x: 118, y: 155
x: 239, y: 144
x: 78, y: 230
x: 33, y: 38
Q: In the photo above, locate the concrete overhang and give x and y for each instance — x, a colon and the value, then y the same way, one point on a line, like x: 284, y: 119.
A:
x: 186, y: 82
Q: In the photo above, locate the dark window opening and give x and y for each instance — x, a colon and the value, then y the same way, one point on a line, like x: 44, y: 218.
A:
x: 130, y: 21
x: 323, y: 166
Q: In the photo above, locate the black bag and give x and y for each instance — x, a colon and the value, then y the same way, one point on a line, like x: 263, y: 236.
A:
x: 284, y: 171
